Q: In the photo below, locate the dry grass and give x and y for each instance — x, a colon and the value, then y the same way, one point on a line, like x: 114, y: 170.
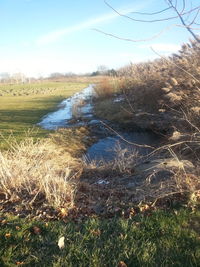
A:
x: 164, y: 184
x: 164, y: 93
x: 76, y: 109
x: 73, y: 140
x: 123, y: 163
x: 172, y: 83
x: 106, y: 87
x: 165, y: 90
x: 38, y: 172
x: 125, y: 160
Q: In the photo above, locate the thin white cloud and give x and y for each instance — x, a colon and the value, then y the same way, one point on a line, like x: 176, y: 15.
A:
x: 58, y: 34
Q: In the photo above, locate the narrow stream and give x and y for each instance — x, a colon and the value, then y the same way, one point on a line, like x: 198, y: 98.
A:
x: 61, y: 117
x: 108, y: 148
x: 104, y: 148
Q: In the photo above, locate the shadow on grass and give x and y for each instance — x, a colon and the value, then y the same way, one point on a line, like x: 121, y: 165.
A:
x: 162, y: 239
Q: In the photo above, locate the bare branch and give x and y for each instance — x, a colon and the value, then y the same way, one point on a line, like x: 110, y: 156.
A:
x: 194, y: 19
x: 183, y: 22
x: 184, y: 5
x: 122, y: 138
x: 149, y: 21
x: 135, y: 40
x: 151, y: 14
x: 146, y: 39
x: 187, y: 26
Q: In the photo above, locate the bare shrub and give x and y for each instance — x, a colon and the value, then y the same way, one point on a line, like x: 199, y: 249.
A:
x: 31, y: 171
x: 125, y: 159
x: 124, y: 162
x: 106, y: 87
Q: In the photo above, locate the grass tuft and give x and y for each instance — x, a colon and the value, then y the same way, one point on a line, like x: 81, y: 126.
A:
x: 37, y: 173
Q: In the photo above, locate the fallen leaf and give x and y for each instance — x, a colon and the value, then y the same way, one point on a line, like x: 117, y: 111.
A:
x: 61, y: 242
x: 144, y: 207
x: 19, y: 263
x: 122, y: 264
x: 8, y: 235
x: 96, y: 233
x: 63, y: 212
x: 37, y: 230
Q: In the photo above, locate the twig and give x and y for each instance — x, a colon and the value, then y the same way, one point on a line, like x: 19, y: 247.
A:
x: 135, y: 40
x: 169, y: 194
x: 183, y: 22
x: 150, y: 21
x: 153, y: 13
x: 121, y: 137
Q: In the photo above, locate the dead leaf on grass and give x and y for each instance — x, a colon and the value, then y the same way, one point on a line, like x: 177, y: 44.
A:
x: 36, y: 230
x: 20, y: 263
x: 122, y: 264
x: 61, y: 242
x: 144, y: 207
x: 96, y: 232
x: 8, y: 235
x: 63, y: 212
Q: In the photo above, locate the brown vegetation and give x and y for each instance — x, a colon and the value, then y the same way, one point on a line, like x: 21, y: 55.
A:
x: 168, y: 83
x: 35, y: 174
x: 163, y: 96
x: 44, y: 173
x: 106, y: 87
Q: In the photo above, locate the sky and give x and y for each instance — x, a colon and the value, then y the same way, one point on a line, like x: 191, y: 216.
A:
x: 39, y: 37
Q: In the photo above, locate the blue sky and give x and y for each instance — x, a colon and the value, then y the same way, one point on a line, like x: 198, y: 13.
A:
x: 43, y: 36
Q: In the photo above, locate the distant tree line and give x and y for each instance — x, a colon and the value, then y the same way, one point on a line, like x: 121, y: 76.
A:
x: 103, y: 70
x: 19, y: 78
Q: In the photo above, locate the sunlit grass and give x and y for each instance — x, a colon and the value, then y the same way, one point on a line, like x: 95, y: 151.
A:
x: 18, y: 113
x: 162, y: 239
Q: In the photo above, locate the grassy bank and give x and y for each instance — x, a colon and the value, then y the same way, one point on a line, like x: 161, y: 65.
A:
x: 22, y: 106
x: 160, y: 238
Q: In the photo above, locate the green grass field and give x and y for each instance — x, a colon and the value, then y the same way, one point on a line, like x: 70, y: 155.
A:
x: 163, y: 238
x: 22, y: 106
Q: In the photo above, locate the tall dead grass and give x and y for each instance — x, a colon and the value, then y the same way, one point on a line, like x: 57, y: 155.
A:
x: 38, y: 172
x: 168, y: 90
x: 169, y: 82
x: 106, y: 87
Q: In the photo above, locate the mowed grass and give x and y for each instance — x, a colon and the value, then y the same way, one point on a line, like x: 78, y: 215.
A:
x: 23, y: 106
x: 161, y: 239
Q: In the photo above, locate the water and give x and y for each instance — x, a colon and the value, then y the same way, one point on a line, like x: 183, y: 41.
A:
x: 60, y: 118
x: 107, y: 148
